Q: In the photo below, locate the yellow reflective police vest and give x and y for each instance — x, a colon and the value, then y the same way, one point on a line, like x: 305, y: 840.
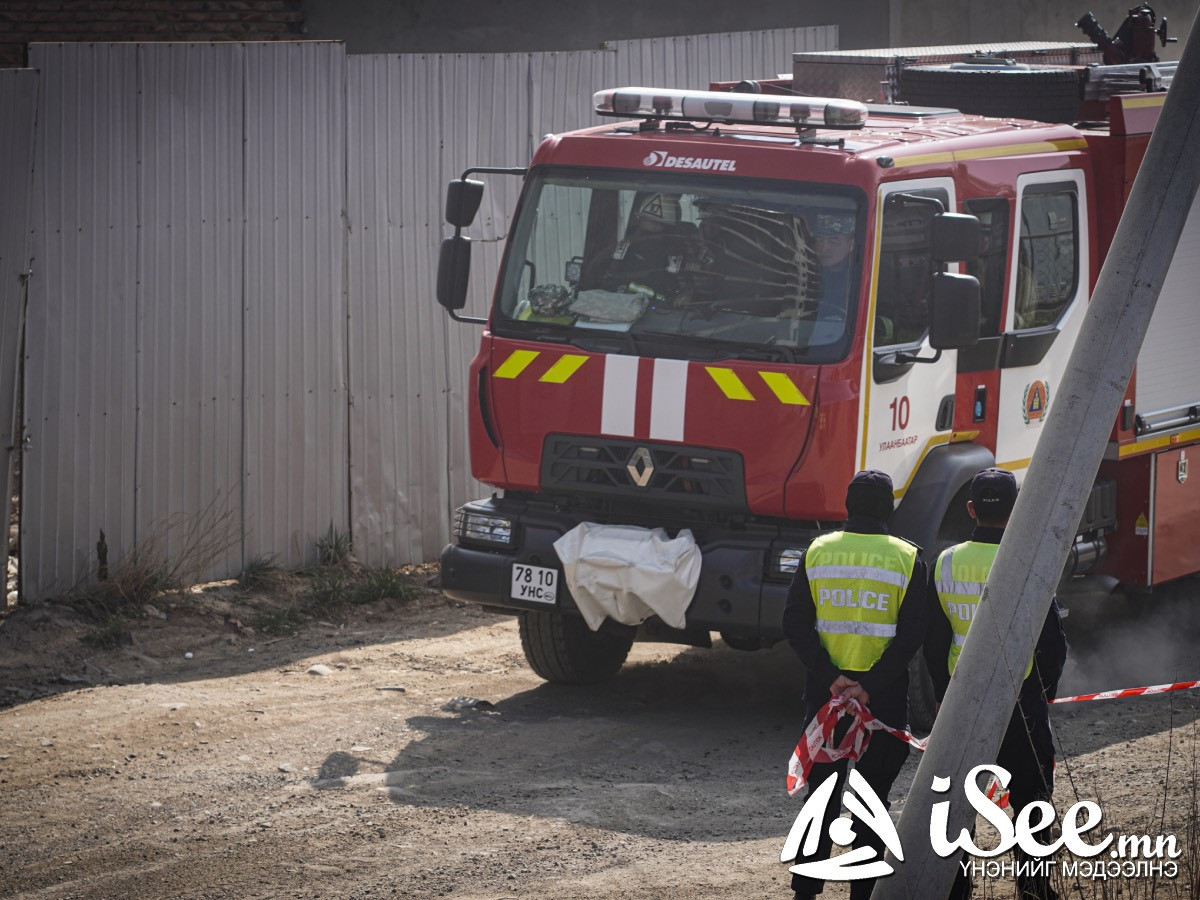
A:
x: 959, y: 576
x: 858, y: 583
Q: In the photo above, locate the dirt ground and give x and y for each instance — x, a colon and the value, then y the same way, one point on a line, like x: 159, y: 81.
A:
x: 201, y: 759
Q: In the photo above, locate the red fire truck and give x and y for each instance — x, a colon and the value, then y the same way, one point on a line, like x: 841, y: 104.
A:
x: 715, y: 310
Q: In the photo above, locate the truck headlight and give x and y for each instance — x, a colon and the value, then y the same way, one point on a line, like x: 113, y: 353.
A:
x: 480, y: 527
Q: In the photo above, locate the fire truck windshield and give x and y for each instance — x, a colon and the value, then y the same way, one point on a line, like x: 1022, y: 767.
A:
x: 717, y: 260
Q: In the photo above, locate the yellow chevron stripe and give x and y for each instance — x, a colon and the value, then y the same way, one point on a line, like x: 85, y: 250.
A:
x: 729, y: 383
x: 566, y: 366
x: 516, y: 363
x: 784, y: 388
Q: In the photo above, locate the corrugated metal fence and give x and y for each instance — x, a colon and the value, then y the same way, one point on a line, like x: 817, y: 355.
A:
x: 18, y: 96
x: 232, y: 340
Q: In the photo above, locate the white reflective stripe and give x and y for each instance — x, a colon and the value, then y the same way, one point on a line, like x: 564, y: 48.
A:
x: 668, y: 399
x: 887, y: 576
x: 946, y: 583
x: 968, y: 588
x: 959, y: 639
x: 866, y: 629
x: 620, y: 394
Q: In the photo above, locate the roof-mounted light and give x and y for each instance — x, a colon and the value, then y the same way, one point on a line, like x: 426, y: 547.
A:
x: 742, y: 109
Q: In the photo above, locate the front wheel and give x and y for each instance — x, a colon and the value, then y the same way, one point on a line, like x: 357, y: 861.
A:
x: 563, y: 650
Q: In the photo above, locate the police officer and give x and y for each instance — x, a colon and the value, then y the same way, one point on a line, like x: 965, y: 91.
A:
x: 956, y: 581
x: 855, y: 616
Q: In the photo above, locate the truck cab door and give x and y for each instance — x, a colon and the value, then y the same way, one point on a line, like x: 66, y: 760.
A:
x: 908, y: 407
x: 1048, y: 289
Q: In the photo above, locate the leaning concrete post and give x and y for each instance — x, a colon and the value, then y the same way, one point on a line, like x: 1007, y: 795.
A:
x: 988, y: 676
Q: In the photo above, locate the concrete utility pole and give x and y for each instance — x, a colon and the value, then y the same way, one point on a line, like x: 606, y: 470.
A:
x: 1031, y: 557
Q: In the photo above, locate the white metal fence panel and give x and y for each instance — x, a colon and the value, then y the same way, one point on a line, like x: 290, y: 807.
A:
x: 697, y: 60
x: 296, y: 459
x: 187, y: 344
x: 415, y: 122
x: 188, y: 452
x: 78, y: 473
x: 397, y: 372
x: 18, y: 98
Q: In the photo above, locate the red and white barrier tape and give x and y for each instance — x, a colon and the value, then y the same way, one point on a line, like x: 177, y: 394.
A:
x: 1132, y: 692
x: 815, y: 746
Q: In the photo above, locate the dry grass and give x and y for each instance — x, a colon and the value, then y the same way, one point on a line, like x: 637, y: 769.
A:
x: 277, y: 602
x: 1176, y: 811
x: 177, y: 552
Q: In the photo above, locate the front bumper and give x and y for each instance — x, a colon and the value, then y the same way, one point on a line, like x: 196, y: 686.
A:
x: 734, y: 594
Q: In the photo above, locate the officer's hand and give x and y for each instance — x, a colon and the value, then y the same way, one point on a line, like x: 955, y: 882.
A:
x: 859, y: 693
x: 841, y: 685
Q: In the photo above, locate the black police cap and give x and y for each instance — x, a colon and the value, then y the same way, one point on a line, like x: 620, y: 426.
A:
x: 870, y: 493
x: 994, y: 491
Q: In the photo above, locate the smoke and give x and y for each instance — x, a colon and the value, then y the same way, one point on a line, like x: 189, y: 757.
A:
x: 1129, y: 640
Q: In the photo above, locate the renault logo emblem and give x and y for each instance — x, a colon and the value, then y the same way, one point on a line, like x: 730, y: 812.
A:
x: 640, y: 466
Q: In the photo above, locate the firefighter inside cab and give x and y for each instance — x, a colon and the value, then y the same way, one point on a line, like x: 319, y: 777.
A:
x: 654, y: 250
x: 833, y: 240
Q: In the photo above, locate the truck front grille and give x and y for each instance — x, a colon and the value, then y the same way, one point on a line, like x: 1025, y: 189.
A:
x: 641, y: 470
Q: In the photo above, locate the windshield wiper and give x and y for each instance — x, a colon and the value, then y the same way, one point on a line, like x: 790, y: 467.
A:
x: 602, y: 341
x: 770, y: 353
x: 721, y: 348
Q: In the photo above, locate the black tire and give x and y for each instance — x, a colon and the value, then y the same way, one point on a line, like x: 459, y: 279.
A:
x: 922, y: 701
x: 1045, y: 94
x: 563, y: 650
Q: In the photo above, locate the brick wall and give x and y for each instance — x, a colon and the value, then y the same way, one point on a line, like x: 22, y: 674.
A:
x: 25, y: 21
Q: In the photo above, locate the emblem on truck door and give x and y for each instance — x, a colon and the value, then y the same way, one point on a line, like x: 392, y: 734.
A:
x: 640, y: 466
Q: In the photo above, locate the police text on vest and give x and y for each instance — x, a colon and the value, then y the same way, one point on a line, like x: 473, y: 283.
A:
x: 848, y: 597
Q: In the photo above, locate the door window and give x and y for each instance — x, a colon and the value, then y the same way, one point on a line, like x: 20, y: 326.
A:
x: 989, y: 266
x: 905, y: 271
x: 1047, y: 255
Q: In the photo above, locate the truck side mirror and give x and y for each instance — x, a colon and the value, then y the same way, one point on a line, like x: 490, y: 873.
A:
x: 454, y: 271
x: 955, y: 237
x: 463, y: 196
x: 955, y: 308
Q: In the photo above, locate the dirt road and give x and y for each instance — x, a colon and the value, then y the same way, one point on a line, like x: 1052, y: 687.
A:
x: 139, y: 773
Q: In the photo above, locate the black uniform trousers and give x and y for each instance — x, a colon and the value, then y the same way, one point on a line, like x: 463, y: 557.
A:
x: 879, y: 766
x: 1027, y: 753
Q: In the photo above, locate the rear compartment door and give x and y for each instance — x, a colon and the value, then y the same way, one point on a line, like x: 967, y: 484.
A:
x: 1167, y: 383
x: 902, y: 401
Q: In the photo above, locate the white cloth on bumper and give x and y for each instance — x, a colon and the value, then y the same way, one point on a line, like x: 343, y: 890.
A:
x: 629, y: 573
